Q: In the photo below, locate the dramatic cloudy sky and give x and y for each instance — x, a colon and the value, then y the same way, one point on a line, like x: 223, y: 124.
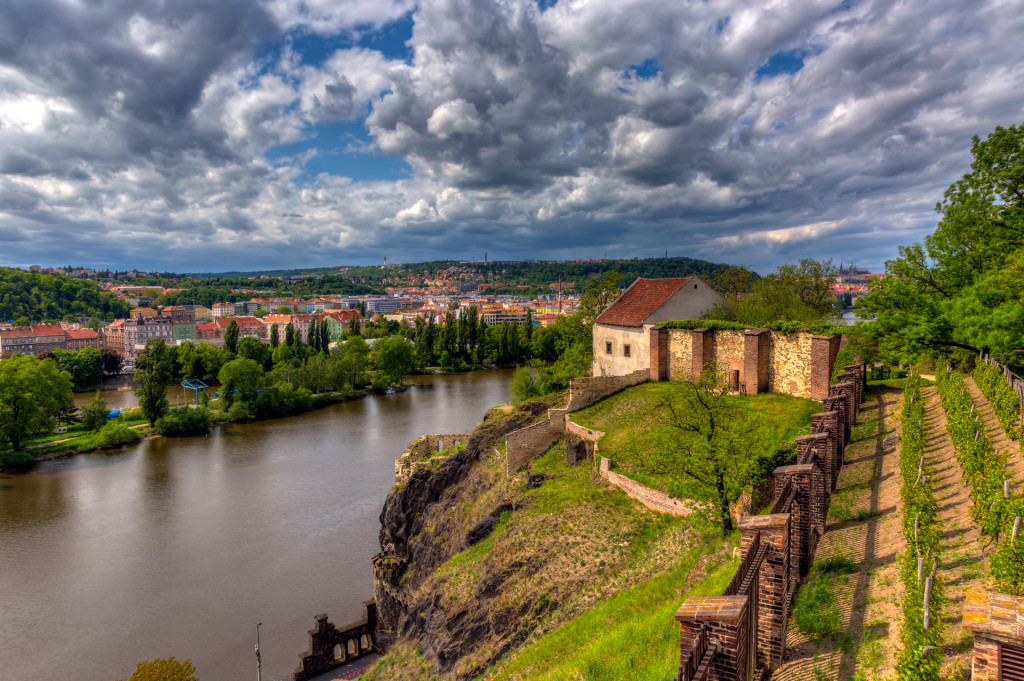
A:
x: 238, y: 134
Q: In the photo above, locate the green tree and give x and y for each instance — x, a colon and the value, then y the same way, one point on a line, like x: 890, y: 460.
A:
x: 313, y: 336
x: 394, y: 358
x: 32, y: 391
x: 90, y: 366
x: 800, y: 292
x: 274, y: 337
x: 164, y: 670
x: 112, y: 361
x: 231, y: 337
x: 254, y: 349
x: 289, y: 335
x: 153, y: 372
x: 243, y: 375
x: 962, y: 289
x: 94, y: 414
x: 708, y: 440
x: 598, y: 295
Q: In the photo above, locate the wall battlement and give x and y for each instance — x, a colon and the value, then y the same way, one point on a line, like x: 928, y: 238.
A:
x: 731, y: 636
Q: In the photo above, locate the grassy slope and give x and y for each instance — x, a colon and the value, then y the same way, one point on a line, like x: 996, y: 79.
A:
x: 631, y: 636
x: 632, y: 420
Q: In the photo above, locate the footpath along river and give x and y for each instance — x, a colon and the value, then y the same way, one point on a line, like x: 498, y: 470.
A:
x: 179, y: 546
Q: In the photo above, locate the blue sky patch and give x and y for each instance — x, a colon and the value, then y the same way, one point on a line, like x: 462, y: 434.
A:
x: 650, y: 68
x: 339, y: 152
x: 786, y: 61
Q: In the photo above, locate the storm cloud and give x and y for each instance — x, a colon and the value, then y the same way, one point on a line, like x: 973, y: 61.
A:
x: 243, y: 134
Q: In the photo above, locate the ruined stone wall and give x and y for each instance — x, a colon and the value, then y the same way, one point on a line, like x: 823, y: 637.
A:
x: 585, y: 391
x: 680, y: 352
x: 422, y: 448
x: 526, y: 444
x: 651, y: 498
x: 789, y: 364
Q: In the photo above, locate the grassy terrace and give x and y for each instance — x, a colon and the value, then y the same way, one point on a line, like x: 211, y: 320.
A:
x: 634, y: 419
x: 77, y: 439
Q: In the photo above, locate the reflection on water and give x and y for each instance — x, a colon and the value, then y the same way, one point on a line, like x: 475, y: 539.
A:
x: 178, y: 547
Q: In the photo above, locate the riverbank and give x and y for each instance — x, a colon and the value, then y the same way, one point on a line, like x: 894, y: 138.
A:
x: 56, y: 445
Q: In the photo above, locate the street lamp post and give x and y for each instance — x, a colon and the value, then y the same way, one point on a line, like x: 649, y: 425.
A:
x: 259, y: 665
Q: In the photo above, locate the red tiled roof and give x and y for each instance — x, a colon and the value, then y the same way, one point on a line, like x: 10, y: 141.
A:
x: 33, y: 331
x: 640, y: 300
x: 80, y: 334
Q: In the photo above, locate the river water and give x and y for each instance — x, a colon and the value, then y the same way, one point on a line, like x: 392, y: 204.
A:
x: 178, y: 547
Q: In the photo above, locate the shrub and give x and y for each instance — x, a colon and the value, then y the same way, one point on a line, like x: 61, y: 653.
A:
x: 117, y: 434
x: 184, y: 421
x: 12, y: 459
x: 238, y: 411
x: 94, y: 414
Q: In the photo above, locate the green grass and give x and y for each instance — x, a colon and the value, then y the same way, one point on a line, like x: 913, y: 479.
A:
x: 816, y: 608
x: 632, y: 635
x: 633, y: 422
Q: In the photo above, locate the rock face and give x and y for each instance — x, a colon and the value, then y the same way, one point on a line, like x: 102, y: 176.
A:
x: 411, y: 551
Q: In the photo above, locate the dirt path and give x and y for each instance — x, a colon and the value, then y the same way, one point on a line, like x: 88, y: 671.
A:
x: 997, y: 435
x: 963, y: 562
x: 864, y: 525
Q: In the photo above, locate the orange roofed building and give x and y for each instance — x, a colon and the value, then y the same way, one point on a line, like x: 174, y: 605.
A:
x: 622, y: 331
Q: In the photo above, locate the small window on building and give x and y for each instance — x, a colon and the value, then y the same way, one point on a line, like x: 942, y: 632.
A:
x: 608, y: 347
x: 695, y: 286
x: 625, y: 350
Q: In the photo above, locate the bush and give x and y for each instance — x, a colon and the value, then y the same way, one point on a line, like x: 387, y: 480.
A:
x: 12, y: 459
x: 184, y: 421
x: 238, y: 411
x: 94, y: 414
x: 117, y: 434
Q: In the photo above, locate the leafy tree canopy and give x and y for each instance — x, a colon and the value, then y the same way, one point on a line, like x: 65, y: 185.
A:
x: 962, y: 289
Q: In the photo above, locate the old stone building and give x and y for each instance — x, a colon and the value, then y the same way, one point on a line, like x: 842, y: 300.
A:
x: 622, y: 332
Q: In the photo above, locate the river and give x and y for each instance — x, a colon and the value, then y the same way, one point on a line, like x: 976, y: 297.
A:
x: 179, y: 546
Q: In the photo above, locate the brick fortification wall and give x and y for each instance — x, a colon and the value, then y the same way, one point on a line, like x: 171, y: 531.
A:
x: 423, y: 447
x: 651, y: 498
x: 997, y: 622
x: 797, y: 364
x: 744, y: 629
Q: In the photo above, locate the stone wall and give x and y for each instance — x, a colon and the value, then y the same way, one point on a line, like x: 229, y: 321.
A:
x: 680, y: 349
x: 585, y: 391
x: 526, y: 444
x: 422, y: 448
x: 789, y: 364
x: 651, y: 498
x: 797, y: 364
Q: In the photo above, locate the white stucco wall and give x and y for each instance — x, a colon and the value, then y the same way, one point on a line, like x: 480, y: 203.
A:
x: 616, y: 363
